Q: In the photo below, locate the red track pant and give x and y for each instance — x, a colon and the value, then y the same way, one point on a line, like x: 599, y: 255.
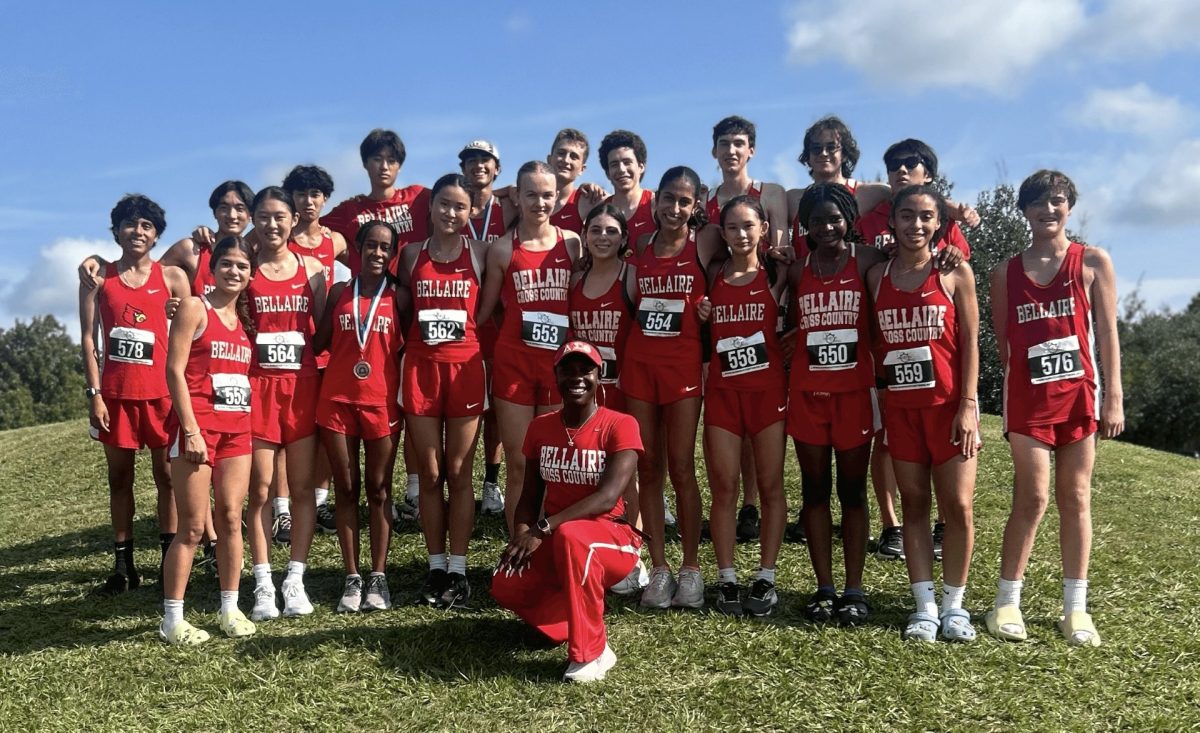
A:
x: 561, y: 591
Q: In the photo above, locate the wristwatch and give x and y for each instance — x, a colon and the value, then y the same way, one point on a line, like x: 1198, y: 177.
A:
x: 543, y: 526
x: 91, y: 392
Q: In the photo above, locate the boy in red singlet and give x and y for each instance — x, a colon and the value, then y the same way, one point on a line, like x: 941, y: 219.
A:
x: 568, y: 157
x: 830, y: 153
x: 1046, y: 302
x: 623, y: 155
x: 123, y: 329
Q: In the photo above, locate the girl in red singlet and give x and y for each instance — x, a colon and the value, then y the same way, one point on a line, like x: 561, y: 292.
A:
x: 928, y: 323
x: 662, y: 381
x: 831, y: 400
x: 124, y: 311
x: 746, y: 400
x: 208, y: 362
x: 361, y: 329
x: 287, y: 295
x: 1045, y: 302
x: 444, y: 383
x: 529, y: 275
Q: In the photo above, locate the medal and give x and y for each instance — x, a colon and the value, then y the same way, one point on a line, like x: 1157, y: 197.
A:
x: 362, y: 329
x: 487, y: 222
x: 362, y: 370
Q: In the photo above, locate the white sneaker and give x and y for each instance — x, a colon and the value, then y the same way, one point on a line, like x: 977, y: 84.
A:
x: 493, y: 500
x: 592, y: 671
x: 295, y: 599
x: 637, y: 579
x: 660, y: 589
x: 377, y: 597
x: 265, y: 606
x: 351, y: 595
x: 690, y: 593
x: 668, y: 517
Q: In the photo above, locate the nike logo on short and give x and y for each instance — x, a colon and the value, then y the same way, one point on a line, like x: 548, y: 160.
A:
x: 393, y: 423
x: 866, y: 431
x: 781, y: 409
x: 846, y: 281
x: 1068, y: 282
x: 156, y: 290
x: 756, y: 292
x: 472, y: 406
x: 605, y: 305
x: 691, y: 389
x: 926, y: 295
x: 297, y: 286
x: 459, y: 270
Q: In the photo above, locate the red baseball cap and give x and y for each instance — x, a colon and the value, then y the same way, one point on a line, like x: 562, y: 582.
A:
x: 582, y: 348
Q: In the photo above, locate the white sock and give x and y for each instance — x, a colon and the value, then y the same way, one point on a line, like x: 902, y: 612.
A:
x: 1074, y: 595
x: 726, y: 575
x: 1008, y: 593
x: 457, y: 564
x: 923, y: 595
x: 262, y: 575
x: 229, y: 599
x: 767, y: 574
x: 281, y: 506
x: 322, y: 495
x: 172, y: 614
x: 295, y: 572
x: 952, y: 596
x: 438, y: 561
x: 414, y: 486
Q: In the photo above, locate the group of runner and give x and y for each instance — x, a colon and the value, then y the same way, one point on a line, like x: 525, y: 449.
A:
x: 782, y: 313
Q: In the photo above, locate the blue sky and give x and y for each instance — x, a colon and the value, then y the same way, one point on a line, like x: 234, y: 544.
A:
x: 169, y: 99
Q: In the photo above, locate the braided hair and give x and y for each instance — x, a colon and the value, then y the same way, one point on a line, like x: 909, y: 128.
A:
x: 820, y: 193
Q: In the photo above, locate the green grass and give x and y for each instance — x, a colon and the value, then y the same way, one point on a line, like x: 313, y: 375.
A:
x: 70, y: 661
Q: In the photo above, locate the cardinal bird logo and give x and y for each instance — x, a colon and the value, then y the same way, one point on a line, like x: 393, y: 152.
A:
x: 133, y: 316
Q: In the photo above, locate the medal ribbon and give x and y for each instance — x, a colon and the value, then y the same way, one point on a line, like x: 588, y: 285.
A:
x: 487, y: 221
x: 362, y: 330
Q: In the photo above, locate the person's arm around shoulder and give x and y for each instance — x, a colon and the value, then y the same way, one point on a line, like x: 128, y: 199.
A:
x: 1102, y: 291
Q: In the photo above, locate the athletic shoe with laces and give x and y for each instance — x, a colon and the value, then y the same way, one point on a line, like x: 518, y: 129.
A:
x: 690, y: 591
x: 660, y: 589
x: 891, y: 543
x: 433, y: 587
x: 592, y: 671
x: 295, y: 599
x: 762, y: 598
x: 729, y: 599
x: 235, y: 624
x: 493, y: 500
x: 457, y: 592
x: 637, y: 579
x: 376, y: 596
x: 795, y: 532
x: 668, y: 517
x: 939, y: 534
x: 118, y: 583
x: 281, y: 530
x: 183, y: 634
x: 352, y: 593
x: 747, y: 523
x: 265, y: 606
x: 326, y: 523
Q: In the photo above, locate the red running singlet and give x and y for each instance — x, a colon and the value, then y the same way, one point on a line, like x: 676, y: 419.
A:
x: 407, y: 210
x: 642, y: 220
x: 603, y: 322
x: 833, y: 332
x: 322, y: 253
x: 746, y: 355
x: 876, y: 232
x: 283, y: 319
x: 216, y: 375
x: 488, y: 227
x: 204, y: 282
x: 568, y: 216
x: 1051, y: 374
x: 383, y: 340
x: 667, y: 290
x: 534, y: 296
x: 712, y: 206
x: 445, y: 297
x: 918, y: 344
x: 133, y: 323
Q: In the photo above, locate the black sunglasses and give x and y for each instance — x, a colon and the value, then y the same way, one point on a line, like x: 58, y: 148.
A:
x: 909, y: 161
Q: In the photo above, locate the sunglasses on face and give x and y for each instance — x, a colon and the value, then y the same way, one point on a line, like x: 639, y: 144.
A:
x: 827, y: 148
x: 908, y: 162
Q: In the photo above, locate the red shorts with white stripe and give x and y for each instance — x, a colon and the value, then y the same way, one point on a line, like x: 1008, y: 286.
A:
x: 844, y: 420
x: 283, y: 411
x: 135, y: 424
x: 742, y: 412
x: 443, y: 389
x: 369, y: 422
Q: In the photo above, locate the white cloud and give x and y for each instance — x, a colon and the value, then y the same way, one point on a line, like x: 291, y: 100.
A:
x: 1136, y: 109
x: 1136, y: 27
x: 50, y: 284
x: 1168, y: 189
x: 1158, y: 293
x: 985, y: 45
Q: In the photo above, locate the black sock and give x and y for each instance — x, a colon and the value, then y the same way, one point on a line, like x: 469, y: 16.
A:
x: 164, y: 541
x: 123, y: 553
x: 491, y: 473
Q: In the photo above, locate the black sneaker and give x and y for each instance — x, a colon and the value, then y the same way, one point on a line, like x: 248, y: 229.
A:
x: 210, y: 558
x: 795, y: 532
x: 891, y: 544
x: 939, y: 533
x: 747, y: 523
x: 457, y: 592
x: 762, y: 599
x: 281, y: 532
x: 325, y: 520
x: 852, y: 609
x: 433, y: 587
x: 729, y: 599
x: 821, y: 606
x: 118, y: 583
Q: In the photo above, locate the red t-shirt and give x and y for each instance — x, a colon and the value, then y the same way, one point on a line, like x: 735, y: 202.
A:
x: 572, y: 472
x: 407, y: 210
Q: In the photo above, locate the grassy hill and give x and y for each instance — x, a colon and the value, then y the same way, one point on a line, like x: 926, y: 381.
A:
x: 72, y: 661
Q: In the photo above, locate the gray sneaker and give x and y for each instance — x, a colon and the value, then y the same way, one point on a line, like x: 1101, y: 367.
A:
x: 690, y: 593
x: 493, y: 500
x: 377, y: 597
x: 762, y: 599
x: 351, y: 595
x: 660, y: 590
x: 632, y: 583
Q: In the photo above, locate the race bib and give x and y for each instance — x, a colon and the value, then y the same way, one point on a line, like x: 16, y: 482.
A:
x: 830, y: 351
x: 1054, y: 360
x: 131, y: 346
x: 440, y: 326
x: 231, y: 393
x: 543, y: 330
x: 909, y: 368
x: 742, y: 354
x: 658, y: 317
x: 281, y: 350
x: 608, y: 370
